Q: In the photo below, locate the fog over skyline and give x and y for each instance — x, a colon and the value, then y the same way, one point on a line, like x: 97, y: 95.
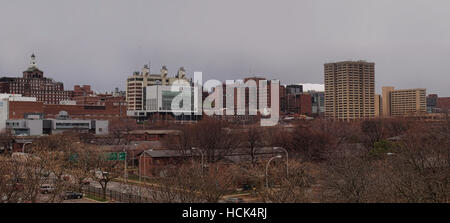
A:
x: 101, y: 42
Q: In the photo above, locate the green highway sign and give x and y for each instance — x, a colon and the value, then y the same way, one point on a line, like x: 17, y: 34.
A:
x: 117, y: 156
x: 73, y: 157
x: 122, y: 156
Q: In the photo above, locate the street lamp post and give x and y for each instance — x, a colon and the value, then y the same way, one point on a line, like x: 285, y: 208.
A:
x: 140, y: 171
x: 132, y: 155
x: 23, y: 146
x: 125, y: 173
x: 193, y: 148
x: 287, y: 159
x: 267, y: 169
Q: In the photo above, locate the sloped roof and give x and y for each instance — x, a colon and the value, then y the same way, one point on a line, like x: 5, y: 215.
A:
x: 168, y: 153
x: 156, y: 132
x: 31, y: 69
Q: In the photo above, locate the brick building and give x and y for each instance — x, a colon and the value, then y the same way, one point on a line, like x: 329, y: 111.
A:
x: 100, y: 99
x: 21, y: 109
x: 151, y: 135
x: 102, y: 112
x: 84, y: 90
x: 156, y: 162
x: 34, y: 84
x: 294, y: 101
x: 443, y: 104
x: 248, y: 94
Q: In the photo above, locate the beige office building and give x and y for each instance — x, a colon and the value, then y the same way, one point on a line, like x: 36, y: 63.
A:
x: 404, y: 102
x: 378, y: 105
x: 137, y: 83
x: 386, y: 100
x: 349, y: 90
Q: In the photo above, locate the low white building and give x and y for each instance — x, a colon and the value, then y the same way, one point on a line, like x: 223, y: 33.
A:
x: 4, y: 106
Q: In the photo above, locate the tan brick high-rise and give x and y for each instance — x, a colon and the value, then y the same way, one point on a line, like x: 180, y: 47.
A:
x: 349, y: 90
x: 404, y: 102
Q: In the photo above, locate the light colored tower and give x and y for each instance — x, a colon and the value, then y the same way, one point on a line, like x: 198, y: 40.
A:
x: 349, y: 90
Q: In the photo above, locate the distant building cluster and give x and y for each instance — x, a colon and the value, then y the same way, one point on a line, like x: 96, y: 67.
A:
x: 34, y: 84
x: 34, y: 105
x: 350, y: 94
x: 149, y: 97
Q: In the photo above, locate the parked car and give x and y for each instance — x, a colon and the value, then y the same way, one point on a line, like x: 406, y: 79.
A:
x: 46, y: 188
x: 67, y: 195
x: 85, y: 182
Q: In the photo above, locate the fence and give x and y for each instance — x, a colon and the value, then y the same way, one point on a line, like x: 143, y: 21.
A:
x: 114, y: 196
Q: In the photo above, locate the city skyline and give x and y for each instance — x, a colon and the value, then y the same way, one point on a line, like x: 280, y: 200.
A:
x: 287, y: 41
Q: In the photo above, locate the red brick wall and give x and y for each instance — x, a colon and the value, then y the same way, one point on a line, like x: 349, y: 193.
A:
x: 101, y: 99
x: 17, y: 109
x: 143, y: 137
x: 82, y: 90
x: 305, y: 104
x: 150, y: 166
x: 107, y: 112
x: 443, y: 103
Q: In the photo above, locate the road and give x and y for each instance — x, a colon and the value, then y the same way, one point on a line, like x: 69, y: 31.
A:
x: 43, y: 198
x: 127, y: 189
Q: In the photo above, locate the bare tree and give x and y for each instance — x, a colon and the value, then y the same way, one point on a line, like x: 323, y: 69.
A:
x: 421, y: 167
x: 186, y: 184
x: 348, y: 179
x: 253, y: 139
x: 6, y: 141
x: 105, y: 170
x: 214, y: 138
x: 80, y: 163
x: 293, y: 189
x: 11, y: 182
x: 120, y: 131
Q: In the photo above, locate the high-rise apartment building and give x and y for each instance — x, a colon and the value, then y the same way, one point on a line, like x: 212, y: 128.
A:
x: 378, y: 105
x: 404, y: 102
x: 386, y: 100
x: 349, y: 90
x: 137, y: 83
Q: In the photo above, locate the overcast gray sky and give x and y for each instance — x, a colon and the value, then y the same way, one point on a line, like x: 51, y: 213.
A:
x: 101, y: 42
